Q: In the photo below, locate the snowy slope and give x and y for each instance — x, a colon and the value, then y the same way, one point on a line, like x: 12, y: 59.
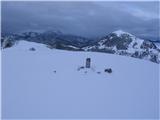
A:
x: 25, y: 46
x: 32, y: 89
x: 121, y: 32
x: 124, y: 43
x: 158, y: 45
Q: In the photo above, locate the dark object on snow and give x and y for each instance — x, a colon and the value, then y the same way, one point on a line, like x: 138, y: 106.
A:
x: 55, y: 71
x: 88, y: 62
x: 109, y: 70
x: 79, y: 68
x: 32, y: 49
x: 98, y: 72
x: 82, y: 67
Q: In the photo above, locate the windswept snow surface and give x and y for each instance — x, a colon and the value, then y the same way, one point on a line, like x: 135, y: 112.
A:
x: 32, y: 89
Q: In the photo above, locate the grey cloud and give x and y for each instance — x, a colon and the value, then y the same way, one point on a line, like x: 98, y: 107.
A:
x: 90, y: 19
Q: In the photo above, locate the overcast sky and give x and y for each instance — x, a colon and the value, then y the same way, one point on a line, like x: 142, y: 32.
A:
x: 89, y: 19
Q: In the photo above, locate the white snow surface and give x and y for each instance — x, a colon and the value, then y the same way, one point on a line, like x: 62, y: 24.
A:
x: 158, y: 45
x: 32, y: 89
x: 121, y: 32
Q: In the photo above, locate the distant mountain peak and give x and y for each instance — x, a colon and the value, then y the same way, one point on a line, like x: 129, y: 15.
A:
x: 53, y: 32
x: 121, y: 32
x: 123, y: 43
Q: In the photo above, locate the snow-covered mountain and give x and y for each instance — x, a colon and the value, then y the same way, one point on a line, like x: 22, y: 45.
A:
x: 117, y: 42
x: 54, y: 39
x: 46, y: 83
x: 123, y: 43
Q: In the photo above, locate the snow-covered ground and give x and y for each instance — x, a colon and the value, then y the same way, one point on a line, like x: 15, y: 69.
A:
x: 46, y: 84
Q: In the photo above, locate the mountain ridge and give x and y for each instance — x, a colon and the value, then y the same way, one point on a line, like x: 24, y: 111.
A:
x: 117, y: 42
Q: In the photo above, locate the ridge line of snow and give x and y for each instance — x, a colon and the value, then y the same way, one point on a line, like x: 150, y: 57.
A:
x: 120, y: 32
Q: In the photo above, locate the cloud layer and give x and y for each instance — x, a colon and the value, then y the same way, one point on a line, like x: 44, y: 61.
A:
x: 90, y: 19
